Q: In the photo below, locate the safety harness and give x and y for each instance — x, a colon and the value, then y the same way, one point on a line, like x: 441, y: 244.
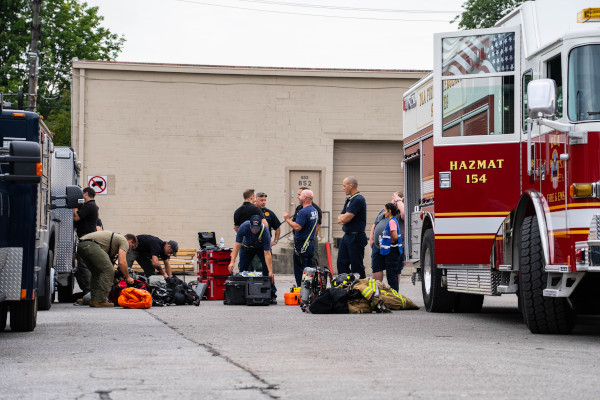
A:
x: 255, y: 245
x: 305, y: 245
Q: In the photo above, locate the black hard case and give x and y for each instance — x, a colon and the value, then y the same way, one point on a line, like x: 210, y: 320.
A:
x: 249, y: 290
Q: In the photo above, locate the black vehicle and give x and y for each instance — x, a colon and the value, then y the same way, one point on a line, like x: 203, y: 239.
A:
x: 27, y: 235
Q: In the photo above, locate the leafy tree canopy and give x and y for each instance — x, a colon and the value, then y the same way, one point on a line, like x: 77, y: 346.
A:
x: 69, y: 29
x: 484, y: 13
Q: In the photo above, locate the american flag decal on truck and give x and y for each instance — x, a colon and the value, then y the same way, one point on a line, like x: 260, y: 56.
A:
x: 478, y: 54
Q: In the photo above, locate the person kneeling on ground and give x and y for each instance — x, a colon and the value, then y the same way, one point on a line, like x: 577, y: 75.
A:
x: 99, y: 250
x: 252, y: 239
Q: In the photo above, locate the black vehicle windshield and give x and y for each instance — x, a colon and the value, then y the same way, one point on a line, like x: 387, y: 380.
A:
x: 584, y: 83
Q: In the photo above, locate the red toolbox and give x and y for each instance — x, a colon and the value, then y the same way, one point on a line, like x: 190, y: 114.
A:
x: 216, y: 287
x: 216, y: 267
x: 202, y: 267
x: 202, y: 254
x: 220, y: 255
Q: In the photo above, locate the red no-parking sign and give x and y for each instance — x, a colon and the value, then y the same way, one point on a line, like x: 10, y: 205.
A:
x: 99, y: 183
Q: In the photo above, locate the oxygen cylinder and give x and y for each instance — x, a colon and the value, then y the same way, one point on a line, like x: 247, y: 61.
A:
x: 306, y: 288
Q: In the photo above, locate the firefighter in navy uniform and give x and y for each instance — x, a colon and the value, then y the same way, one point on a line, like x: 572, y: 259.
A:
x: 253, y: 239
x: 270, y: 216
x: 305, y: 231
x: 353, y: 219
x: 316, y: 238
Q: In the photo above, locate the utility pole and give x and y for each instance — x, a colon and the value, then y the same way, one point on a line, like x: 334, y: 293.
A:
x: 36, y: 6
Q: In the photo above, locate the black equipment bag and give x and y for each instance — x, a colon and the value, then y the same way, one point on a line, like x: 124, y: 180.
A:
x: 330, y: 301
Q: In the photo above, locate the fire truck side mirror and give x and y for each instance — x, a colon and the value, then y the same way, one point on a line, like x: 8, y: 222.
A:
x: 23, y: 162
x: 541, y: 98
x: 74, y: 196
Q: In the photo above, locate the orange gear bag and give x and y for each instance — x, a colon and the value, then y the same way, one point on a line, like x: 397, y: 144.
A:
x: 135, y: 298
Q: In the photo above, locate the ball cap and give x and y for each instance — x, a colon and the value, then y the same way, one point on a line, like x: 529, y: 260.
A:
x: 255, y: 222
x: 174, y: 246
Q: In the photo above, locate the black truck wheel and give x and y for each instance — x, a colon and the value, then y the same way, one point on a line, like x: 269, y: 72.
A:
x: 3, y: 312
x: 468, y: 303
x: 45, y: 301
x: 435, y: 296
x: 23, y: 315
x: 541, y: 314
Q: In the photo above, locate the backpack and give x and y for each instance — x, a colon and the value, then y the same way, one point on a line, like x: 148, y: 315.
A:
x: 175, y: 292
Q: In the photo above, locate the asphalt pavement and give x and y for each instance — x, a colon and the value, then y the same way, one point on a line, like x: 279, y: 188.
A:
x: 240, y: 352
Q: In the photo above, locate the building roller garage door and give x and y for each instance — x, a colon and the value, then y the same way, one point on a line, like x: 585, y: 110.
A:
x: 377, y: 167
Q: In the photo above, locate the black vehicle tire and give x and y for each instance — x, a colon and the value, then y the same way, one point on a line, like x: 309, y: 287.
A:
x: 541, y: 314
x: 435, y: 297
x: 45, y: 301
x: 468, y: 303
x: 23, y: 315
x: 3, y: 313
x: 65, y: 293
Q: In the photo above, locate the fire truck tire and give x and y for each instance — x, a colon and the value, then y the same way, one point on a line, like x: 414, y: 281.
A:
x: 468, y: 303
x: 3, y: 313
x: 541, y: 314
x: 45, y: 301
x: 435, y: 296
x: 23, y: 315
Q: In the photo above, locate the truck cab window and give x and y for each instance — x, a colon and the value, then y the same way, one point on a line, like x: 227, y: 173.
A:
x: 554, y: 71
x: 478, y: 106
x: 584, y: 83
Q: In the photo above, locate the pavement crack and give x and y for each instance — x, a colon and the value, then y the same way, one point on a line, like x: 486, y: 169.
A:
x: 263, y: 389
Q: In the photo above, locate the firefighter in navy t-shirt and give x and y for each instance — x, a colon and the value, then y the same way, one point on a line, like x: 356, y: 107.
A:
x: 253, y: 239
x: 353, y: 220
x: 305, y: 228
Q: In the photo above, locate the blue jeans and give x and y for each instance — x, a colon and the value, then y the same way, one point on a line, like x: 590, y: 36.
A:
x: 351, y: 254
x: 246, y: 256
x: 302, y: 259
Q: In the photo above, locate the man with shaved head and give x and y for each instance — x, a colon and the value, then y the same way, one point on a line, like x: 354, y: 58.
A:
x: 305, y: 228
x: 353, y: 220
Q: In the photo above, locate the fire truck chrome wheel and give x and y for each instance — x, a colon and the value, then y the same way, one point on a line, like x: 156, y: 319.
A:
x: 426, y: 268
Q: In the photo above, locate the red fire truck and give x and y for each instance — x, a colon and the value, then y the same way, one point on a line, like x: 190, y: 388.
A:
x: 502, y: 166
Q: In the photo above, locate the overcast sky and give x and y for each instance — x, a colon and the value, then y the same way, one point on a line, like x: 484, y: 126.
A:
x: 356, y: 34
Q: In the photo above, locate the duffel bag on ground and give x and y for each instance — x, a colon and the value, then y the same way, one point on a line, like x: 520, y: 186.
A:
x: 115, y: 291
x: 330, y: 301
x: 135, y: 298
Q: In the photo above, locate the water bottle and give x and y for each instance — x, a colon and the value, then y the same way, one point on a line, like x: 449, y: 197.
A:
x: 221, y: 242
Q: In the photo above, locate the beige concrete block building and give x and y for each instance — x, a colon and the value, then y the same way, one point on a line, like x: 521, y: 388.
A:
x: 178, y: 144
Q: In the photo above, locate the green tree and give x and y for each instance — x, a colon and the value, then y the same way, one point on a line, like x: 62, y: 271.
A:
x: 484, y: 13
x: 70, y: 29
